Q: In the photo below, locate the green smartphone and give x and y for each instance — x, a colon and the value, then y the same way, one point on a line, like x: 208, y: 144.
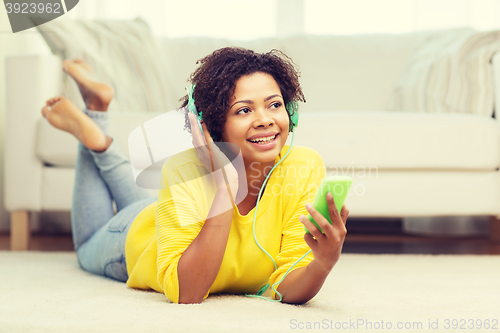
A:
x: 339, y: 187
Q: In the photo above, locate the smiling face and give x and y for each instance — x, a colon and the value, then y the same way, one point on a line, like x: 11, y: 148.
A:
x: 257, y: 111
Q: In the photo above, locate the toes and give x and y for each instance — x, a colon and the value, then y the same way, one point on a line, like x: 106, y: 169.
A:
x: 57, y: 100
x: 78, y: 60
x: 53, y: 100
x: 46, y: 110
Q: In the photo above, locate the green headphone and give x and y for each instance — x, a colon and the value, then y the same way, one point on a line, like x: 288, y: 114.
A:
x: 291, y: 107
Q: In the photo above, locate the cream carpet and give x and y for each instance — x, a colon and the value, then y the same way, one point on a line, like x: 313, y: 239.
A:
x: 48, y: 292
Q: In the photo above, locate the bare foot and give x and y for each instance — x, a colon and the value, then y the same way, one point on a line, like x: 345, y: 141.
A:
x: 64, y: 115
x: 96, y: 95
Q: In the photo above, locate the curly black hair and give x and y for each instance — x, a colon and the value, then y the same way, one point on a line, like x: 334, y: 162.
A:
x: 215, y: 82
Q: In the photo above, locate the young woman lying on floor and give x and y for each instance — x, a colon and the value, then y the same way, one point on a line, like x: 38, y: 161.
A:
x: 197, y: 237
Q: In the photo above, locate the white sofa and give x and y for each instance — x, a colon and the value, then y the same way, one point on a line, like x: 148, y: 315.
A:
x: 403, y: 164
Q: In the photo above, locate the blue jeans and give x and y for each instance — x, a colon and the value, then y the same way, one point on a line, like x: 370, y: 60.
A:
x: 98, y: 234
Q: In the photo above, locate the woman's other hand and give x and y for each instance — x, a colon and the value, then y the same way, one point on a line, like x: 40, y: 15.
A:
x: 326, y: 246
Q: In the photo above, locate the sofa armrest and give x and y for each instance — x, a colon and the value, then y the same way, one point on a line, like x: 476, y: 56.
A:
x: 31, y: 80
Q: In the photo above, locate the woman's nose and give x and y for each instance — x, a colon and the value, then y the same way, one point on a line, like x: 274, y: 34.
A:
x: 263, y: 118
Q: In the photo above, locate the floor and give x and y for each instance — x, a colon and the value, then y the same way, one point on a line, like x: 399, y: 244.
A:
x: 384, y: 238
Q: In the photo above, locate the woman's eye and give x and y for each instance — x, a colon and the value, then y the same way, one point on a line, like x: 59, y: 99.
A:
x: 276, y: 105
x: 243, y: 111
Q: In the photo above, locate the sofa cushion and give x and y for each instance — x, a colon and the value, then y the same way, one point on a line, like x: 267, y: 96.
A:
x: 123, y: 54
x: 412, y: 193
x: 350, y: 139
x: 344, y: 73
x: 450, y: 73
x: 398, y: 141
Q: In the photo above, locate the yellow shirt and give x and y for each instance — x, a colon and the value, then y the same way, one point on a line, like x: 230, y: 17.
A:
x: 158, y: 236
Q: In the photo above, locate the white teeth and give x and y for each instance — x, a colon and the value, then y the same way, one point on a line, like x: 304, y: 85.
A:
x: 264, y: 140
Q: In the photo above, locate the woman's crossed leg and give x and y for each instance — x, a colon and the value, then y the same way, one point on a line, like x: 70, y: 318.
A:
x: 102, y: 174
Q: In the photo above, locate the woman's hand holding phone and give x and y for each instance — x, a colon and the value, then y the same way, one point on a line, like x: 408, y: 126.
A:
x: 212, y: 158
x: 326, y: 246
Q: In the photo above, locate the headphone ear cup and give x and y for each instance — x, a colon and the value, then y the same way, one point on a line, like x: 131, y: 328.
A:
x: 293, y: 110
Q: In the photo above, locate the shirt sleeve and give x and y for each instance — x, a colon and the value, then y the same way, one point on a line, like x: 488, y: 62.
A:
x: 178, y: 222
x: 293, y: 245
